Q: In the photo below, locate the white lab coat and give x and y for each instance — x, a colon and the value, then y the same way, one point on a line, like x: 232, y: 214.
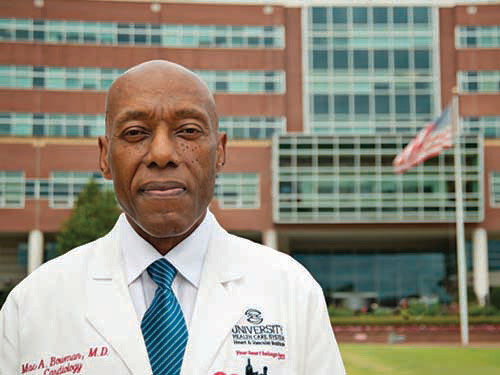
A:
x: 255, y: 308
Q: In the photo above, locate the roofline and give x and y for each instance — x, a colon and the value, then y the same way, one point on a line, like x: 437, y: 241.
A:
x: 307, y: 3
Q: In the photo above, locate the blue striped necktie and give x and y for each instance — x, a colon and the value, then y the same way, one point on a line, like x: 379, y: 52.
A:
x: 163, y: 325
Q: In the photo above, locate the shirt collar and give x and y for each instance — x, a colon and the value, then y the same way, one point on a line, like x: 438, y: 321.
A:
x: 187, y: 256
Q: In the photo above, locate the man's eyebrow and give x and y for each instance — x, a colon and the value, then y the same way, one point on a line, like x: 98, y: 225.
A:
x: 191, y: 113
x: 130, y: 115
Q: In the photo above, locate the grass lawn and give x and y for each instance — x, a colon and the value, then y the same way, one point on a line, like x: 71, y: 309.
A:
x: 367, y: 359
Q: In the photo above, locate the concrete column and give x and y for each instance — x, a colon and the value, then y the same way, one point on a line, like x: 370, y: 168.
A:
x: 480, y: 265
x: 35, y: 250
x: 270, y: 238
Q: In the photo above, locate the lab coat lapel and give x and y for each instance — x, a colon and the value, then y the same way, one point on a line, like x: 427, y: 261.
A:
x: 218, y: 306
x: 110, y: 310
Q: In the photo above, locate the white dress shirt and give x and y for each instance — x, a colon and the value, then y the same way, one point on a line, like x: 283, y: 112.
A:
x: 187, y: 257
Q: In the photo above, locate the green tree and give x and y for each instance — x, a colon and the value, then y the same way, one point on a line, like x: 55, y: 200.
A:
x: 94, y: 214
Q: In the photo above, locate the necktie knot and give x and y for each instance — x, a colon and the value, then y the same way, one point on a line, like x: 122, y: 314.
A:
x: 162, y: 273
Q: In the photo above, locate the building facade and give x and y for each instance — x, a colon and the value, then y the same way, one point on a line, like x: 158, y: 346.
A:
x: 317, y: 98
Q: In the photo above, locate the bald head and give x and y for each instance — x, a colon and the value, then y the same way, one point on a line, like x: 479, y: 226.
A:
x: 157, y: 78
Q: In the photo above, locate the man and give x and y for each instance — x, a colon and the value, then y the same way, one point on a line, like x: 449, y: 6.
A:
x: 167, y: 291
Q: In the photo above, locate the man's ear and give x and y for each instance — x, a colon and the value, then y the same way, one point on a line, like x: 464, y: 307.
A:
x: 103, y: 158
x: 221, y: 150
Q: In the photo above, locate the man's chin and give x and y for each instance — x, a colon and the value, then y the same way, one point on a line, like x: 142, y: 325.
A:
x: 165, y: 225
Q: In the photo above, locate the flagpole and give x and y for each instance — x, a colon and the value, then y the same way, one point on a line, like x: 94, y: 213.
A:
x: 459, y: 213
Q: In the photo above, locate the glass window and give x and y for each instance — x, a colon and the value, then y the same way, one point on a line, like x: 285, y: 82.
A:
x: 5, y: 129
x: 361, y: 104
x: 477, y: 36
x: 392, y: 56
x: 320, y: 59
x: 341, y: 104
x: 360, y: 58
x: 381, y: 59
x: 382, y: 104
x: 22, y: 34
x: 38, y: 82
x: 411, y: 197
x: 472, y: 86
x: 479, y: 81
x: 140, y: 39
x: 253, y: 41
x: 39, y: 35
x: 12, y: 186
x: 320, y: 42
x: 38, y: 130
x: 340, y: 42
x: 471, y: 41
x: 237, y: 190
x: 72, y: 37
x: 320, y: 104
x: 339, y: 15
x: 54, y: 31
x: 269, y: 42
x: 319, y: 15
x: 347, y: 187
x: 340, y: 59
x: 401, y: 59
x: 56, y: 131
x: 221, y: 86
x: 422, y: 59
x: 89, y: 37
x: 400, y: 15
x: 269, y: 87
x: 410, y: 186
x: 5, y: 33
x: 359, y: 15
x: 100, y: 79
x: 423, y: 104
x: 379, y: 15
x: 421, y: 15
x: 123, y: 38
x: 402, y: 104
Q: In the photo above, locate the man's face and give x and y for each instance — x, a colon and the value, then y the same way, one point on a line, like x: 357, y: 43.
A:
x: 162, y: 149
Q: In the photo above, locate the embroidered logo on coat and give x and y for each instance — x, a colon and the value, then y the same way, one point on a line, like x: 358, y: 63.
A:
x: 254, y: 316
x: 257, y: 333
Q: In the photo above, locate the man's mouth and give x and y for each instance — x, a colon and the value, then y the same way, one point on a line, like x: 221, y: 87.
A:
x: 163, y: 189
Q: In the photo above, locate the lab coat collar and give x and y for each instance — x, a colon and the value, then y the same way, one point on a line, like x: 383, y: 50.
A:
x: 109, y: 306
x: 187, y: 257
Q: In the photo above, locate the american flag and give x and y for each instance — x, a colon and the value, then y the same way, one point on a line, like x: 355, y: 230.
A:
x: 430, y: 141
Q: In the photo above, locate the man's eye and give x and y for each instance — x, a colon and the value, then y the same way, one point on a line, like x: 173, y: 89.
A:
x: 189, y: 131
x: 134, y: 134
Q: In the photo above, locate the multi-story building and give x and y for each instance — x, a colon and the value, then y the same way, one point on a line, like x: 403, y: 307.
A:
x: 317, y: 98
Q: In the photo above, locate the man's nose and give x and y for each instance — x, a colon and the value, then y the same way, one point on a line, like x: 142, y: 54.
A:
x: 162, y: 150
